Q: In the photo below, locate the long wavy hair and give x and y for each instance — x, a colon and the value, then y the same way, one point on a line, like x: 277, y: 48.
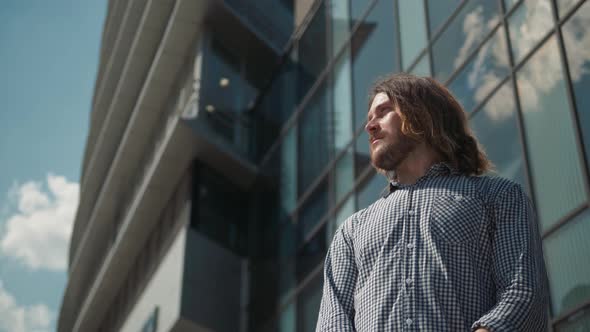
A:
x: 431, y: 114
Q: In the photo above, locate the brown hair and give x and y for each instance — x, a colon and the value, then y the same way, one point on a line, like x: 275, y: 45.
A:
x: 430, y: 113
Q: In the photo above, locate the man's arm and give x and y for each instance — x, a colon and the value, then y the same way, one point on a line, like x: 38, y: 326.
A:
x: 518, y: 268
x: 340, y: 275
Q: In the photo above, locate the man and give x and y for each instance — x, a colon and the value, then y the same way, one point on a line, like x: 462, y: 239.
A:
x: 446, y: 249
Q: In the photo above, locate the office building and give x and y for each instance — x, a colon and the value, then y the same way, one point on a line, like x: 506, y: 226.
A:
x: 226, y: 145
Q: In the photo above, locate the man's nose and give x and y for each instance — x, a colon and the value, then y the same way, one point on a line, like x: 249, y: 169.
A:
x: 371, y: 126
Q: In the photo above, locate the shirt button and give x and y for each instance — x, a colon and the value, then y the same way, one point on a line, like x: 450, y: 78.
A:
x: 409, y: 321
x: 410, y: 246
x: 411, y: 212
x: 409, y: 281
x: 458, y: 197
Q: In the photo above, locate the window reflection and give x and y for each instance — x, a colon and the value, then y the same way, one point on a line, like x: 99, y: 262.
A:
x: 412, y: 30
x: 566, y: 254
x: 554, y: 161
x: 311, y: 255
x: 528, y: 24
x: 563, y: 6
x: 342, y: 101
x: 340, y: 16
x: 287, y: 252
x: 576, y: 37
x: 579, y: 322
x: 314, y: 150
x: 422, y: 68
x: 484, y: 72
x: 312, y: 51
x: 308, y: 305
x: 439, y: 12
x: 373, y: 54
x: 371, y: 190
x: 287, y: 320
x: 497, y: 130
x: 344, y: 175
x: 312, y: 211
x: 463, y: 35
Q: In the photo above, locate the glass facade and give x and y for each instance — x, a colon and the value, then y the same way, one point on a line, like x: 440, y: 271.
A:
x: 519, y: 68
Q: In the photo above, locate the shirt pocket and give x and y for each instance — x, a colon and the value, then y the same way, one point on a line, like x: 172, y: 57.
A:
x: 456, y: 219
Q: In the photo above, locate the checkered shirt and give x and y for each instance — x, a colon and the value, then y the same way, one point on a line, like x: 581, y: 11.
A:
x: 448, y: 253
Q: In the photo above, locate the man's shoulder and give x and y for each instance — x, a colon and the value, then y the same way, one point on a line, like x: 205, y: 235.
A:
x: 490, y: 187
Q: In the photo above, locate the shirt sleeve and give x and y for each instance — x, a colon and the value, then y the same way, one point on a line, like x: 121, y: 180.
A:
x: 340, y: 276
x: 518, y: 268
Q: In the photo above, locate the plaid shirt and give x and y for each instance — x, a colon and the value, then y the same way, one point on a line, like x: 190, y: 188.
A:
x: 448, y: 253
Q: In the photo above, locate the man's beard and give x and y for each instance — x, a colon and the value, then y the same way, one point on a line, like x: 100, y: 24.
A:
x: 387, y: 158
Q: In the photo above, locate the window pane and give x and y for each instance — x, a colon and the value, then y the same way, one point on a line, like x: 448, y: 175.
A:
x: 422, y: 68
x: 288, y: 171
x: 342, y: 101
x: 371, y: 190
x: 576, y: 36
x: 563, y: 6
x: 527, y: 25
x: 496, y: 128
x: 312, y: 51
x: 439, y: 12
x: 373, y: 54
x: 485, y: 71
x: 339, y: 12
x: 344, y: 175
x: 554, y: 161
x: 313, y: 210
x: 566, y: 253
x: 463, y: 35
x: 345, y: 211
x: 412, y: 30
x: 362, y: 157
x: 509, y: 3
x: 314, y: 151
x: 287, y: 319
x: 308, y: 305
x: 311, y: 255
x: 287, y: 249
x: 579, y: 322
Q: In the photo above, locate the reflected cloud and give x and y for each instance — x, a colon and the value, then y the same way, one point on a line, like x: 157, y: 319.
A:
x: 474, y: 27
x: 576, y: 37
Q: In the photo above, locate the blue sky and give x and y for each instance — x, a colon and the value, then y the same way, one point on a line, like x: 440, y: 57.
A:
x: 48, y: 61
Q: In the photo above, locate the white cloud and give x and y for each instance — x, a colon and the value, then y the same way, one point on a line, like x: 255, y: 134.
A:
x: 18, y: 318
x: 38, y: 233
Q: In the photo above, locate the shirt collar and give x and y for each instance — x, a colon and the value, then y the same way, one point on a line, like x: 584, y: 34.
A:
x: 437, y: 169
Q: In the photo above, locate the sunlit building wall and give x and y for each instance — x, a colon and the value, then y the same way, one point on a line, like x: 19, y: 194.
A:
x: 227, y: 145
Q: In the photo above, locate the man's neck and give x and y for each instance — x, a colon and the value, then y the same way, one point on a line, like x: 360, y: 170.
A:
x: 416, y: 164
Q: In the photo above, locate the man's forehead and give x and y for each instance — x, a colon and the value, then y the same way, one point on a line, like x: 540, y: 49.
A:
x: 380, y: 99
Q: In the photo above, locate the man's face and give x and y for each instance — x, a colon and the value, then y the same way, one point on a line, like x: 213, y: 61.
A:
x: 388, y: 145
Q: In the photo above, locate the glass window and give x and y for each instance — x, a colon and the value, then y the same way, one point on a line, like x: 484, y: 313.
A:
x: 576, y: 37
x: 312, y: 51
x: 475, y: 20
x: 288, y: 171
x: 579, y: 322
x: 340, y: 15
x: 362, y: 157
x: 287, y: 248
x: 527, y: 25
x: 342, y: 101
x: 566, y: 255
x: 275, y: 108
x: 552, y: 146
x: 314, y: 151
x: 311, y: 255
x: 509, y: 3
x: 287, y: 318
x: 344, y: 175
x: 308, y: 304
x: 422, y: 68
x: 345, y: 211
x: 496, y: 128
x: 373, y: 54
x: 357, y: 9
x: 371, y: 190
x: 439, y: 12
x: 483, y: 73
x: 563, y: 6
x: 313, y: 210
x: 412, y: 30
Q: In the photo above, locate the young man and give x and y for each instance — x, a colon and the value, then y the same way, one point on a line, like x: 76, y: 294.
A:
x: 446, y: 249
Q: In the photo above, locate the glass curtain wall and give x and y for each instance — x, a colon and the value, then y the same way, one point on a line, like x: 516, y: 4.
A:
x: 521, y: 70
